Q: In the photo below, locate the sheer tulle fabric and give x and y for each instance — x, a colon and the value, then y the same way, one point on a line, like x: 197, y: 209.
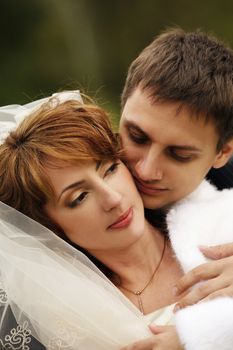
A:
x: 67, y: 302
x: 12, y: 115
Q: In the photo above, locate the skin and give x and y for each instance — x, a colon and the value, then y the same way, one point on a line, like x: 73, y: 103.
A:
x: 189, y: 138
x: 107, y: 190
x: 202, y: 159
x: 169, y: 152
x: 216, y: 274
x: 164, y: 338
x: 89, y: 199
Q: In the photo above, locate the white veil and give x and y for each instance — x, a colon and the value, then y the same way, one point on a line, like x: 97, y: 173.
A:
x: 54, y: 292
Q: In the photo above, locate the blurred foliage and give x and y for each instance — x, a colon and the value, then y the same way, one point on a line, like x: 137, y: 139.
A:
x: 51, y: 45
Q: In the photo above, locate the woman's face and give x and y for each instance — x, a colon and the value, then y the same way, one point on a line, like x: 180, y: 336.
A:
x: 97, y: 205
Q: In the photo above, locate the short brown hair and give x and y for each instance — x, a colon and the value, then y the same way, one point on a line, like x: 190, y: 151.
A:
x: 71, y: 132
x: 194, y: 69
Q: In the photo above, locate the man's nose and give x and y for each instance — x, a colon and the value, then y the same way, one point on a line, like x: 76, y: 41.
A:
x: 149, y: 168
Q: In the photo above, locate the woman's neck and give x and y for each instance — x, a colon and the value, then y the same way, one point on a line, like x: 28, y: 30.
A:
x: 146, y: 271
x: 133, y: 266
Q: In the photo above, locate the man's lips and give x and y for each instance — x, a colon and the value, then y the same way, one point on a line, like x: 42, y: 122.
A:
x: 151, y: 190
x: 124, y: 220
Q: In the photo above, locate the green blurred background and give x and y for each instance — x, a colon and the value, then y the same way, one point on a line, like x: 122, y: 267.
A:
x: 51, y: 45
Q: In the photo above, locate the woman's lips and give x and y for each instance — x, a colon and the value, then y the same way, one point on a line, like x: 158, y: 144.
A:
x: 148, y: 189
x: 124, y: 220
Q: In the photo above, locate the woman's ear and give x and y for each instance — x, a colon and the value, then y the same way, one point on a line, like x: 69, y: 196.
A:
x: 224, y: 155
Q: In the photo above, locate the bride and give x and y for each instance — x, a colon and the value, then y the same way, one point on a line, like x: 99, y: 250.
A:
x: 112, y: 272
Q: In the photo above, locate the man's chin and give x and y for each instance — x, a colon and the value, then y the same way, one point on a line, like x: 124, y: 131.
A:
x: 152, y: 203
x: 156, y: 203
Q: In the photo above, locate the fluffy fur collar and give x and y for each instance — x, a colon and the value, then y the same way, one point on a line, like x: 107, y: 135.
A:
x: 203, y: 218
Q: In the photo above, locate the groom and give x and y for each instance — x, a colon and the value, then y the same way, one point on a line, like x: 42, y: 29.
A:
x: 177, y: 124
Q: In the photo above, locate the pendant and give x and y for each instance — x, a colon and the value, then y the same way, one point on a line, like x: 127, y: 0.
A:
x: 140, y: 305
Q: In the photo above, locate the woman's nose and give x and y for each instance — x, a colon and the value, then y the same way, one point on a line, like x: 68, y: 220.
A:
x: 110, y: 198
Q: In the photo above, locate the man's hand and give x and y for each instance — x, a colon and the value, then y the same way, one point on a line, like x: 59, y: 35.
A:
x: 217, y: 276
x: 164, y: 338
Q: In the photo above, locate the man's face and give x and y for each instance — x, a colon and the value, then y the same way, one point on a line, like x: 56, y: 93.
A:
x: 169, y: 151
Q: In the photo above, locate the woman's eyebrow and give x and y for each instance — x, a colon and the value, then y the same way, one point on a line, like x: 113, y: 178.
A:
x: 76, y: 184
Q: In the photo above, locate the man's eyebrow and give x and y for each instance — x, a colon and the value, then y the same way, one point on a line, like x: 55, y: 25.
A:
x: 186, y: 148
x: 77, y: 184
x: 131, y: 124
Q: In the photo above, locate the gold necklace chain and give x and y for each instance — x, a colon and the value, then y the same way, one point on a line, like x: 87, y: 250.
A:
x: 139, y: 292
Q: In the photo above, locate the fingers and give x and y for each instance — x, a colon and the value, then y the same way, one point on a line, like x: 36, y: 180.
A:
x: 228, y: 292
x: 147, y: 344
x: 218, y: 277
x: 155, y: 342
x: 218, y: 251
x: 159, y: 329
x: 200, y: 273
x: 206, y: 290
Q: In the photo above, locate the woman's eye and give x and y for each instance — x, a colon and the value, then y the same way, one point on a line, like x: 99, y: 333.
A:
x: 113, y: 167
x: 78, y: 200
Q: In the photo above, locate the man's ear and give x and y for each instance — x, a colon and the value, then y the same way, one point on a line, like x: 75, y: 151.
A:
x: 224, y: 155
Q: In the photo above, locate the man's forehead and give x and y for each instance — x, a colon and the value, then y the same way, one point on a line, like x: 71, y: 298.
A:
x: 167, y: 122
x: 141, y: 101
